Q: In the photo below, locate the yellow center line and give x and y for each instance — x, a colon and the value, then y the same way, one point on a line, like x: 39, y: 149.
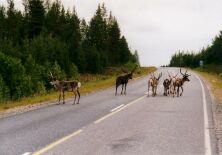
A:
x: 50, y: 146
x: 120, y: 109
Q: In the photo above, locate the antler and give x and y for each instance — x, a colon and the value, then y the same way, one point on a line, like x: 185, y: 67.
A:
x: 169, y: 74
x: 187, y: 74
x: 50, y: 74
x: 124, y: 70
x: 134, y: 69
x: 175, y: 75
x: 159, y: 75
x: 181, y: 72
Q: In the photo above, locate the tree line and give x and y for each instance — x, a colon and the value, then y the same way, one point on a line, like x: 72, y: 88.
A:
x: 211, y: 56
x: 47, y: 37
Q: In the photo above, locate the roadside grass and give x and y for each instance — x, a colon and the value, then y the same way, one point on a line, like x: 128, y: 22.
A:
x: 90, y: 83
x: 215, y: 82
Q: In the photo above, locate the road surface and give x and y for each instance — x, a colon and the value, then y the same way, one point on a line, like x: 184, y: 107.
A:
x: 105, y: 124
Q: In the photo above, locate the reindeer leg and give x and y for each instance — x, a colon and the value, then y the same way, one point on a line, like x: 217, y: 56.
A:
x: 125, y: 89
x: 122, y: 89
x: 59, y: 97
x: 153, y: 91
x: 182, y: 91
x: 178, y: 89
x: 78, y: 95
x: 75, y: 97
x: 148, y: 90
x: 63, y: 95
x: 116, y: 89
x: 174, y: 89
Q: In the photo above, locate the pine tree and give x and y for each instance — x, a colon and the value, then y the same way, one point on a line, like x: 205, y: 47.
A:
x: 36, y: 17
x: 113, y: 41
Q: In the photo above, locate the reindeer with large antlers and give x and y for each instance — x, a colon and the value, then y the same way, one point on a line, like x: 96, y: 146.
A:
x: 123, y: 79
x: 179, y: 83
x: 62, y: 86
x: 153, y: 82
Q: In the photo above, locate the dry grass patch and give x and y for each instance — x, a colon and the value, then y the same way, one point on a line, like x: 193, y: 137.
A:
x: 215, y: 83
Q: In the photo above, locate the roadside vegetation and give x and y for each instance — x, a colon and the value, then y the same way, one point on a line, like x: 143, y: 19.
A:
x: 90, y: 83
x: 214, y: 80
x: 45, y: 37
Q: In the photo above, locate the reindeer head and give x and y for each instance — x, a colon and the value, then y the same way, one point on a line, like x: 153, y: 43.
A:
x: 130, y: 75
x: 53, y: 79
x: 155, y: 80
x: 185, y: 76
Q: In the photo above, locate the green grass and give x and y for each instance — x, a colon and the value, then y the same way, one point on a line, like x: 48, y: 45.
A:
x: 90, y: 83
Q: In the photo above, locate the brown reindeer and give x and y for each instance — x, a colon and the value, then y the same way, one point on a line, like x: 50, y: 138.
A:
x: 179, y: 83
x: 123, y: 79
x: 69, y: 86
x: 172, y: 81
x: 153, y: 82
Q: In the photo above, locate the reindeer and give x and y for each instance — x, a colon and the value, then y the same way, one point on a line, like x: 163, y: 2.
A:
x: 153, y: 82
x: 172, y: 81
x: 69, y: 86
x: 166, y: 84
x: 179, y: 83
x: 123, y: 79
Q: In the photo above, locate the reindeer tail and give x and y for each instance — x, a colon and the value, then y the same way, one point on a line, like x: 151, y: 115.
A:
x: 79, y: 84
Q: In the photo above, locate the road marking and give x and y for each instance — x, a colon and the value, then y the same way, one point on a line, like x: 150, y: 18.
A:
x: 50, y: 146
x: 27, y: 153
x: 206, y: 124
x: 117, y: 108
x: 120, y: 109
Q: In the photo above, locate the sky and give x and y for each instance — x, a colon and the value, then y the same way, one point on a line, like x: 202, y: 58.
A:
x: 158, y: 28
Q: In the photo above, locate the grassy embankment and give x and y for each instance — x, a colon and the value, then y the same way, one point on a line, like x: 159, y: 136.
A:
x: 214, y: 79
x: 90, y: 83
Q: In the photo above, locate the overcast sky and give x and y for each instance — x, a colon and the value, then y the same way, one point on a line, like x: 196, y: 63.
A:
x: 158, y: 28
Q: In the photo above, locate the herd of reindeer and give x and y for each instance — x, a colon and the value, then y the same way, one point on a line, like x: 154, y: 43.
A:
x: 171, y: 85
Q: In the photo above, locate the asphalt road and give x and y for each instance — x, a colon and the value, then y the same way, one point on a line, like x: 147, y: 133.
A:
x: 106, y: 124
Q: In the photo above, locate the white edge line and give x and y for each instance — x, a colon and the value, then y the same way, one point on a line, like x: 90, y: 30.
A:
x: 27, y: 153
x: 206, y: 124
x: 117, y: 108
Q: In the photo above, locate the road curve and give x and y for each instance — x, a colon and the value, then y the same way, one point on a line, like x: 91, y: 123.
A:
x: 125, y: 124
